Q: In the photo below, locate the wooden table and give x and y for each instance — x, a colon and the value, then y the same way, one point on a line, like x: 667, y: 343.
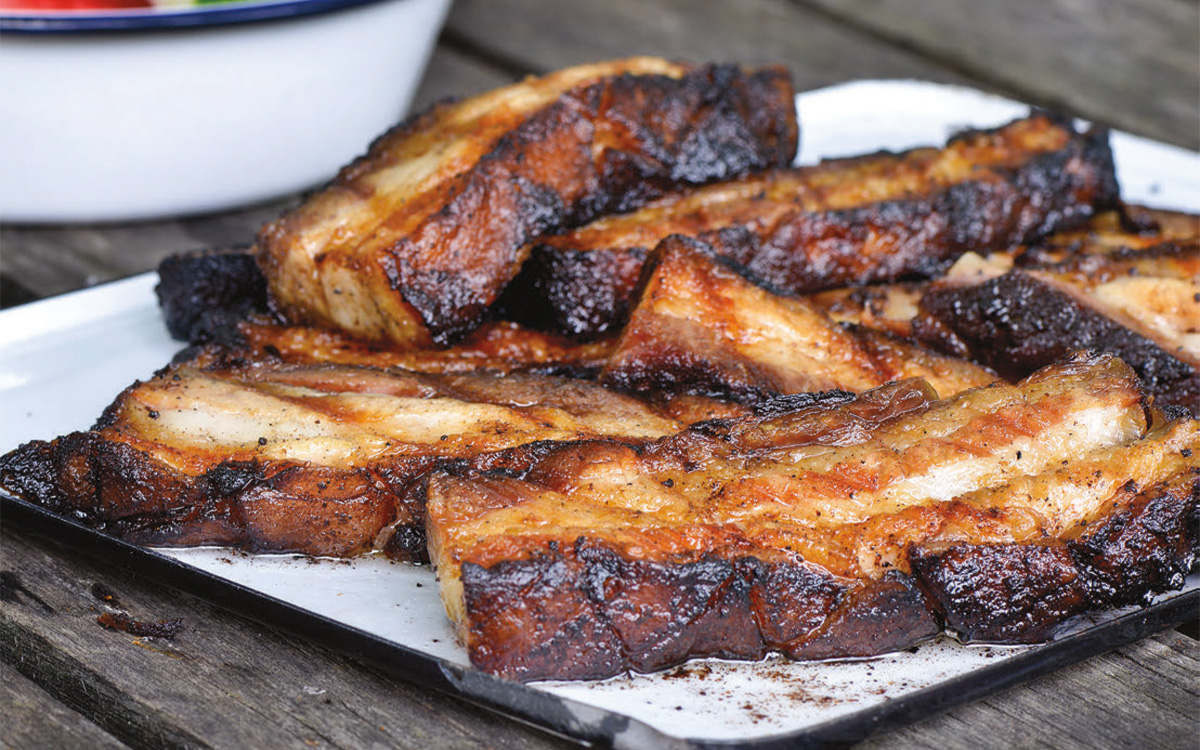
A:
x: 228, y: 682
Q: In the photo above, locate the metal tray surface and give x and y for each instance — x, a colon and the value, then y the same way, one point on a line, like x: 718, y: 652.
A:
x: 64, y: 359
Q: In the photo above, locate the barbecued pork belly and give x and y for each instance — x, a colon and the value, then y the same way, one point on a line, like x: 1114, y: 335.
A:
x: 892, y: 307
x: 1124, y: 526
x: 1141, y: 304
x: 702, y: 328
x: 412, y: 242
x: 495, y: 347
x: 268, y: 456
x: 1132, y: 227
x: 792, y: 531
x: 846, y: 222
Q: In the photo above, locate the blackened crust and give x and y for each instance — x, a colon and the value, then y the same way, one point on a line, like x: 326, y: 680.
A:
x: 585, y: 293
x: 1012, y: 593
x: 588, y: 292
x: 918, y: 238
x: 194, y: 287
x: 608, y: 147
x: 1017, y: 323
x: 588, y: 612
x: 256, y: 506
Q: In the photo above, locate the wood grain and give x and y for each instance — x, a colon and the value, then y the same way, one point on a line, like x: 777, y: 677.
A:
x: 1134, y: 64
x: 222, y: 682
x: 33, y: 719
x: 538, y: 37
x: 1096, y: 703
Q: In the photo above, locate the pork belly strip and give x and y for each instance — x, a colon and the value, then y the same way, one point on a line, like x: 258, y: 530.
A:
x: 219, y: 296
x: 1132, y: 227
x: 1018, y: 593
x: 701, y: 327
x: 846, y: 222
x: 777, y: 533
x: 494, y: 347
x: 415, y: 240
x: 312, y: 459
x: 891, y: 307
x: 1143, y: 305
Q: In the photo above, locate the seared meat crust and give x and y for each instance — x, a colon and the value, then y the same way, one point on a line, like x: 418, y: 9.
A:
x: 314, y: 459
x: 415, y: 240
x: 1018, y: 593
x: 1104, y: 248
x: 194, y: 288
x: 496, y: 347
x: 847, y: 222
x: 789, y: 532
x: 702, y: 328
x: 1027, y: 318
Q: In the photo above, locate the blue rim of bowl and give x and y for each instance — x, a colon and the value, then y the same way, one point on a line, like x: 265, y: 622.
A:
x: 217, y: 14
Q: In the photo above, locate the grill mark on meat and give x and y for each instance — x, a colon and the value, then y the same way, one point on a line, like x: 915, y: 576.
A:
x: 686, y: 546
x: 849, y: 222
x: 416, y: 240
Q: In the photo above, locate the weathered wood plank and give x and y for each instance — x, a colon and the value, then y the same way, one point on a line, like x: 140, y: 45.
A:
x: 1141, y: 695
x: 51, y: 260
x: 454, y: 74
x: 539, y: 37
x: 1134, y: 64
x: 222, y: 681
x: 33, y: 719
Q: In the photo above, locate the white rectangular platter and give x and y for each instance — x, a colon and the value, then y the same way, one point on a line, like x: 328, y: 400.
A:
x: 63, y: 360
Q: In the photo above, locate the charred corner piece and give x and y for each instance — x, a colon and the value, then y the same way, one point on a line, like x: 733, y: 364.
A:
x: 207, y: 290
x: 702, y: 328
x: 1141, y: 304
x: 414, y: 241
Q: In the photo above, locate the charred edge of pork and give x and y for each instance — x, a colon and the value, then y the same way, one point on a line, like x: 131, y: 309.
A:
x: 256, y: 506
x: 1019, y: 593
x: 588, y: 292
x: 1017, y: 323
x: 207, y: 290
x: 587, y: 612
x: 1051, y: 192
x: 714, y: 123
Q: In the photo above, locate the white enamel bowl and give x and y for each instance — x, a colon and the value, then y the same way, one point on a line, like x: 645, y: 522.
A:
x: 126, y: 115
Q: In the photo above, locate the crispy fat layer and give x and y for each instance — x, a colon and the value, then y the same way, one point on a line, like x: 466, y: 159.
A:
x: 310, y: 458
x: 714, y: 534
x: 414, y: 241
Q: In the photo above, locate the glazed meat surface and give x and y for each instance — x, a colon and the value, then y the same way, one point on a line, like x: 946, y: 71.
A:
x: 269, y: 456
x: 702, y: 328
x: 793, y: 531
x: 644, y: 392
x: 846, y: 222
x: 414, y: 241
